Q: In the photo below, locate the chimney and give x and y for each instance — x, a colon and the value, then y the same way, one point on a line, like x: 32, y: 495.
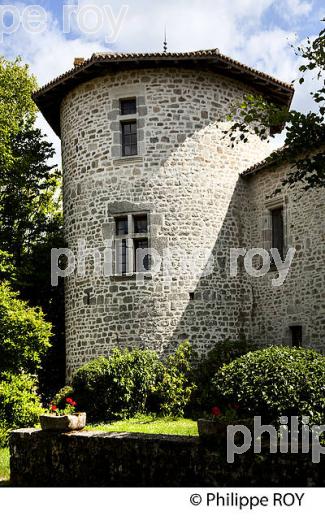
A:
x: 78, y: 61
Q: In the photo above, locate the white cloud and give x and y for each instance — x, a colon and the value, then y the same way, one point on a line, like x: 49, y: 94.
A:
x: 236, y: 27
x: 294, y: 7
x: 271, y: 52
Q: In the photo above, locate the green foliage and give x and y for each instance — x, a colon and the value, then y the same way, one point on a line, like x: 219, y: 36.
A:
x: 222, y: 353
x: 305, y: 133
x: 7, y: 269
x: 132, y: 381
x: 175, y: 384
x: 17, y: 110
x: 28, y: 204
x: 20, y: 405
x: 274, y: 381
x: 24, y: 333
x: 116, y: 387
x: 30, y: 211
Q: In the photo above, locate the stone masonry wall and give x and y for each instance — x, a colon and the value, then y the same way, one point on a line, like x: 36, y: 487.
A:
x: 301, y: 299
x: 40, y: 458
x: 185, y: 177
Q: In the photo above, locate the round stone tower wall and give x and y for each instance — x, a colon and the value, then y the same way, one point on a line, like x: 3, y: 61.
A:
x: 185, y: 179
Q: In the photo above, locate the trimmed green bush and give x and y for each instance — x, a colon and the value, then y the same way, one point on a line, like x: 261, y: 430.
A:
x: 224, y: 352
x: 274, y: 381
x: 20, y: 406
x: 175, y: 384
x: 116, y: 387
x: 24, y: 334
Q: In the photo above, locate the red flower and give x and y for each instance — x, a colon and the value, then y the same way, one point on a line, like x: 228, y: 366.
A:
x: 53, y: 407
x: 216, y: 411
x: 69, y: 400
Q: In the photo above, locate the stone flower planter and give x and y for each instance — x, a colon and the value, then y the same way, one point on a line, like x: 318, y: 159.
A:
x: 212, y: 430
x: 208, y: 428
x: 63, y: 423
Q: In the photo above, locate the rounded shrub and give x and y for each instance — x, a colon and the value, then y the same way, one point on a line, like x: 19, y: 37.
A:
x: 274, y: 381
x: 173, y: 390
x: 20, y: 406
x: 116, y: 387
x: 207, y: 366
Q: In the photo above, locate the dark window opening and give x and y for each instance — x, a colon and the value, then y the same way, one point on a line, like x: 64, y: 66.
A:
x: 141, y: 260
x: 140, y: 223
x: 277, y: 230
x: 121, y: 225
x: 192, y: 295
x: 128, y: 106
x: 129, y: 138
x: 296, y: 335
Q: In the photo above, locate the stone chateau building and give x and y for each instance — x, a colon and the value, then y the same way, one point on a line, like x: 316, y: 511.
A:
x: 148, y: 168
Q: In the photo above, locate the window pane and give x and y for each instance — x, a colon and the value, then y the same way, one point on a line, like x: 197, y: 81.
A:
x: 121, y: 225
x: 277, y: 230
x: 140, y: 223
x: 142, y: 260
x: 128, y: 106
x: 129, y: 139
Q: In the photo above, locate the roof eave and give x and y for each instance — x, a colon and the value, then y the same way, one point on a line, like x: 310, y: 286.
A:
x: 51, y: 95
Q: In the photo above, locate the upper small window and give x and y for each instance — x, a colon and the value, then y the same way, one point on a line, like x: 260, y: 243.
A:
x: 128, y: 106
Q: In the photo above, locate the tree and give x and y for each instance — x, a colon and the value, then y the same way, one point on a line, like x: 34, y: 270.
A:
x: 305, y: 133
x: 30, y: 210
x: 28, y: 206
x: 17, y: 110
x: 24, y: 334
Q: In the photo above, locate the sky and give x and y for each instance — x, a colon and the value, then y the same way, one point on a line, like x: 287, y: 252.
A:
x: 49, y: 34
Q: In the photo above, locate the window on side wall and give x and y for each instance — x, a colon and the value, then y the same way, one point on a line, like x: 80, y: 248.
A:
x: 296, y: 335
x: 278, y: 230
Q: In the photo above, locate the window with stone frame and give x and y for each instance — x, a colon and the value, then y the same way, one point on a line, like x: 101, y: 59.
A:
x: 129, y: 138
x: 275, y: 227
x: 132, y: 244
x: 278, y: 230
x: 129, y: 127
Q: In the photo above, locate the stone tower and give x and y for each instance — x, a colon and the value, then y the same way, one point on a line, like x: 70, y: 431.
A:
x: 150, y: 178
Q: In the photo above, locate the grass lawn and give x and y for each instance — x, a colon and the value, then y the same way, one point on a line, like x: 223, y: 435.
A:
x: 4, y: 464
x: 147, y: 424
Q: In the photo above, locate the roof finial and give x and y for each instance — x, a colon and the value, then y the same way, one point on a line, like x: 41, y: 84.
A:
x: 165, y: 42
